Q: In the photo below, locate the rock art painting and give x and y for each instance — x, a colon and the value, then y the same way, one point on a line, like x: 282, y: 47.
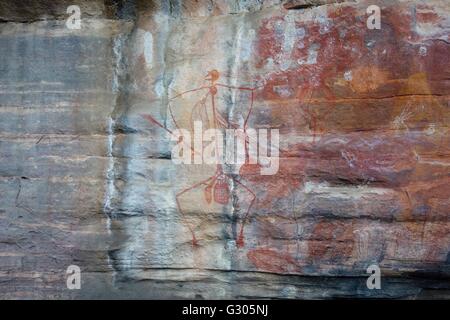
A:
x: 216, y: 188
x: 229, y: 149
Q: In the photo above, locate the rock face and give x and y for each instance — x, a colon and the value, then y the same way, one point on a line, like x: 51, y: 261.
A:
x: 364, y: 170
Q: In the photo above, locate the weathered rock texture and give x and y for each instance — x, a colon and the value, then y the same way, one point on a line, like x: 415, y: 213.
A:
x: 364, y: 173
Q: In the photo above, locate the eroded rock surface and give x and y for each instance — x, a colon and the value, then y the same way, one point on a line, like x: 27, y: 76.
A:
x: 86, y: 179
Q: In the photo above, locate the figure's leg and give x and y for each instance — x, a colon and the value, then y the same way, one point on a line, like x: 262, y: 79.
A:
x: 180, y: 209
x: 240, y: 239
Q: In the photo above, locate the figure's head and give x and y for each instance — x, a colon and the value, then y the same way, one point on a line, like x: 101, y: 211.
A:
x: 212, y: 75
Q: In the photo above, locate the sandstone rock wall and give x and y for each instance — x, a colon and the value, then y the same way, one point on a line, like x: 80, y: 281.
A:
x: 364, y: 175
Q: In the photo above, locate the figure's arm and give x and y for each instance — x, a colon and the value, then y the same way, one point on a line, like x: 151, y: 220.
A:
x: 192, y: 90
x: 154, y: 121
x: 234, y: 87
x: 200, y: 102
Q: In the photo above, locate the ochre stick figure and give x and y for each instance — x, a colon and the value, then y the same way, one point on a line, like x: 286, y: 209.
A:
x: 216, y: 188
